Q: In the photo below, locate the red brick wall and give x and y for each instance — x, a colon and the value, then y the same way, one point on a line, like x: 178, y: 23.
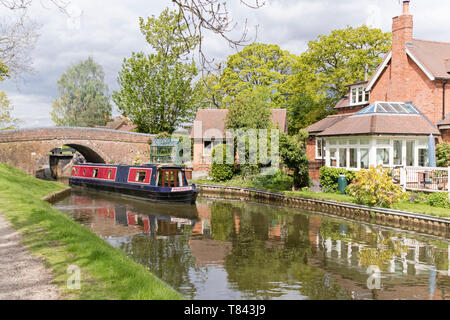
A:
x: 350, y: 109
x: 314, y: 165
x: 403, y: 80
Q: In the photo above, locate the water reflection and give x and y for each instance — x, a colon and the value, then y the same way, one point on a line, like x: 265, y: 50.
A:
x: 238, y: 250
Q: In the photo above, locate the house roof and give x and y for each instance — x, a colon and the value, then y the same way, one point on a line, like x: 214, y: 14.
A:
x: 370, y: 122
x: 121, y: 124
x: 325, y: 123
x: 445, y: 121
x: 213, y: 121
x: 433, y: 56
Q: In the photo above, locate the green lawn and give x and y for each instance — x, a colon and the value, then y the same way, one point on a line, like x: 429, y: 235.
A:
x: 404, y: 205
x: 106, y: 272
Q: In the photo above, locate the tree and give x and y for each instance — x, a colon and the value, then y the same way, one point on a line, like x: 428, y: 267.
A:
x: 250, y: 109
x: 156, y: 91
x: 330, y: 63
x: 6, y: 121
x: 293, y: 156
x: 17, y: 39
x: 258, y: 65
x: 84, y: 100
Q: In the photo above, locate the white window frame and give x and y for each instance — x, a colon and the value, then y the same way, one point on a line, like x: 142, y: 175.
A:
x: 358, y: 89
x: 318, y: 156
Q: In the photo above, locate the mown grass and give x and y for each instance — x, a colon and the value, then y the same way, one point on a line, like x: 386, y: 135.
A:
x: 106, y: 272
x: 403, y: 205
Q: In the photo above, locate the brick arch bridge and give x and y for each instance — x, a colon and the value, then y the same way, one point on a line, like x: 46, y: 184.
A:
x: 28, y: 149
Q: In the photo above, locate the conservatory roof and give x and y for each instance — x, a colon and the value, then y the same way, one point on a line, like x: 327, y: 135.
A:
x: 389, y: 108
x: 398, y: 118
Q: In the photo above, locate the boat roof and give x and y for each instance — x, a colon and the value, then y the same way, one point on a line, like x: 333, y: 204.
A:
x: 146, y: 165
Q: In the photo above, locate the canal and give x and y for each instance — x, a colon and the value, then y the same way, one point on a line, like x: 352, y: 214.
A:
x: 222, y: 249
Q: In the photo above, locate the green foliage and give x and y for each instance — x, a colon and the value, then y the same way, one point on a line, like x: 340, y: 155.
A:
x: 293, y: 156
x: 250, y: 109
x: 84, y: 99
x: 165, y: 34
x: 257, y: 66
x: 329, y: 178
x: 278, y: 181
x: 438, y: 200
x: 331, y: 62
x: 156, y: 90
x: 374, y: 187
x: 4, y: 71
x: 6, y: 121
x: 443, y: 154
x: 221, y: 170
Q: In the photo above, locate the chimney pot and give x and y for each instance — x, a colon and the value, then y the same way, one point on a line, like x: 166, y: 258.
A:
x: 406, y: 7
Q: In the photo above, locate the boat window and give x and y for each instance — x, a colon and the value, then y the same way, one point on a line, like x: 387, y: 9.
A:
x: 169, y: 178
x: 84, y: 172
x: 140, y: 176
x: 95, y: 173
x: 109, y: 173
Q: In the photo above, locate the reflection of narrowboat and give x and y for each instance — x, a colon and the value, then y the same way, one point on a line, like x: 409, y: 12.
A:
x: 151, y: 181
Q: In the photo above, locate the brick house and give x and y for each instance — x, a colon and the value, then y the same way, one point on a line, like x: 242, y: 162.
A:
x: 388, y: 119
x: 210, y: 129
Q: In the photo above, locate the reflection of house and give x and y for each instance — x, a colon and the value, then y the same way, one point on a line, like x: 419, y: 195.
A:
x: 387, y: 119
x: 209, y: 130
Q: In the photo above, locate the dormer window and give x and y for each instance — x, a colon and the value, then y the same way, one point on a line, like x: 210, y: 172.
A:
x: 359, y: 95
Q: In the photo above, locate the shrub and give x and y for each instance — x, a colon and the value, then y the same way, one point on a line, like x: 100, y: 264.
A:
x: 220, y: 170
x: 374, y: 187
x: 278, y: 181
x: 293, y: 156
x: 443, y: 154
x: 329, y: 178
x: 438, y: 200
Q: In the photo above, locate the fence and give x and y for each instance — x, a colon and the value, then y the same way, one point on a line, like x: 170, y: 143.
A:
x: 422, y: 178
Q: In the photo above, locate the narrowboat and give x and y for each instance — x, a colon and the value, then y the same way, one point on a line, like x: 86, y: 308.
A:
x: 151, y: 181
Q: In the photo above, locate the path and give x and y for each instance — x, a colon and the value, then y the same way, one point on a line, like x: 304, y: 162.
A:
x: 22, y: 277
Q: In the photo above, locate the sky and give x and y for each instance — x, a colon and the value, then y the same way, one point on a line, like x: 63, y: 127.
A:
x: 109, y: 31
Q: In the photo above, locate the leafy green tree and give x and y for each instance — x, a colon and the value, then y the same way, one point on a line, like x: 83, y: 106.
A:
x: 156, y: 91
x: 331, y: 62
x: 251, y: 109
x: 293, y: 156
x: 257, y: 65
x: 84, y: 99
x: 6, y: 120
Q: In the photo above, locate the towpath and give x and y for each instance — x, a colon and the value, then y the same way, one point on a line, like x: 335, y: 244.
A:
x: 22, y: 276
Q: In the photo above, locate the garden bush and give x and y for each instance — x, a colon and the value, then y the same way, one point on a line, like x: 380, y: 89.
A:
x: 438, y: 200
x: 278, y: 181
x: 220, y: 169
x: 374, y: 187
x: 329, y: 178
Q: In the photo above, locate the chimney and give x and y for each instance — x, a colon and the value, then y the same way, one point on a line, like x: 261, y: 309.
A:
x: 402, y: 34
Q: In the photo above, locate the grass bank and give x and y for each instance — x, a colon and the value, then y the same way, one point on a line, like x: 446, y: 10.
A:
x: 106, y: 272
x: 403, y: 205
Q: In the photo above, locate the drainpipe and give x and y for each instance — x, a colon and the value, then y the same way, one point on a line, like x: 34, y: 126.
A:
x: 443, y: 98
x: 323, y: 150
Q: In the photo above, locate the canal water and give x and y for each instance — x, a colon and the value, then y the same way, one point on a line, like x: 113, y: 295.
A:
x: 222, y: 249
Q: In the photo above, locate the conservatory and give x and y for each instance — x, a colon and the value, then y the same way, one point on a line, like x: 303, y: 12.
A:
x: 384, y: 133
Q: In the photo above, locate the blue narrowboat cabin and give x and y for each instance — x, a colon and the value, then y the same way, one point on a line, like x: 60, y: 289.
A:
x: 151, y: 181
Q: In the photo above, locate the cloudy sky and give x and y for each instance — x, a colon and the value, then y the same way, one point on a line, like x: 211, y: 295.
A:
x: 109, y: 31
